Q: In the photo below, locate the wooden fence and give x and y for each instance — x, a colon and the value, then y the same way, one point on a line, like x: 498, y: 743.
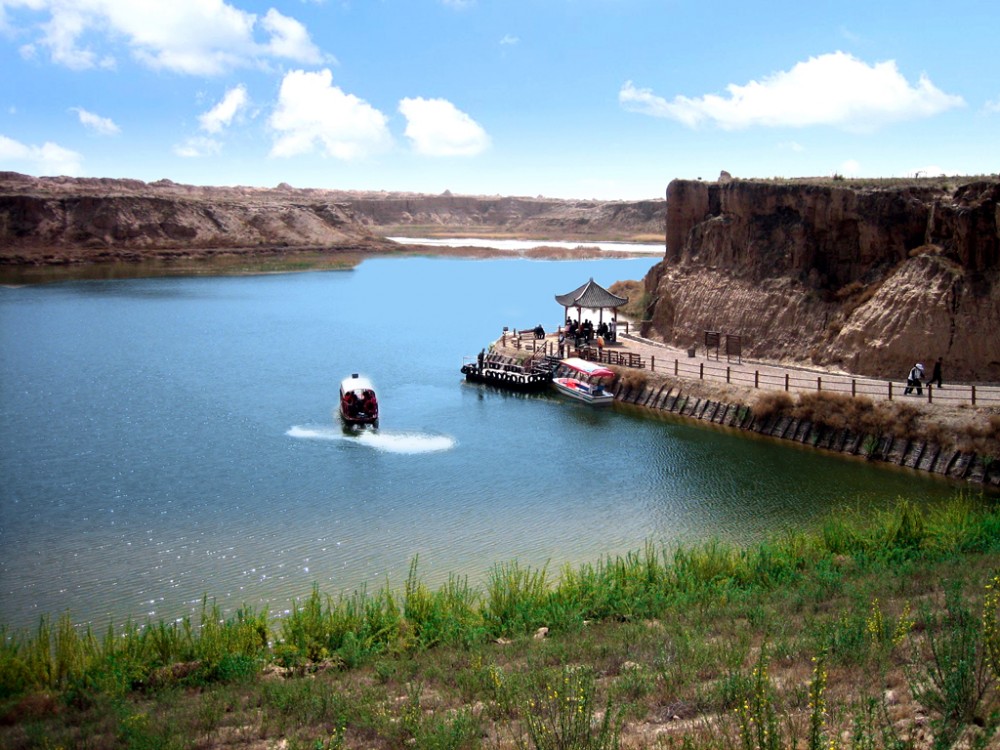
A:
x: 802, y: 382
x: 799, y: 381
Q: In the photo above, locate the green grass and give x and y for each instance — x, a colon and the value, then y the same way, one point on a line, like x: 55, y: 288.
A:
x: 797, y: 640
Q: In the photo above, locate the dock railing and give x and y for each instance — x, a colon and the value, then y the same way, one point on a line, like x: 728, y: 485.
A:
x: 761, y: 377
x: 954, y: 394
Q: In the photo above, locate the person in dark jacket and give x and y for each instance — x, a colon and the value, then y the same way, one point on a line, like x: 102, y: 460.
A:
x: 936, y: 374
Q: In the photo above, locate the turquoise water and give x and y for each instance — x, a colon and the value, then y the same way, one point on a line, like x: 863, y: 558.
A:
x: 168, y: 438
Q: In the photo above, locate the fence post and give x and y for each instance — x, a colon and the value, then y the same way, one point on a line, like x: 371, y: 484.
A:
x: 930, y: 398
x: 727, y: 373
x: 854, y: 387
x: 973, y: 395
x: 676, y: 365
x: 819, y: 384
x: 890, y: 390
x: 652, y: 362
x: 786, y: 381
x: 701, y: 374
x: 756, y: 378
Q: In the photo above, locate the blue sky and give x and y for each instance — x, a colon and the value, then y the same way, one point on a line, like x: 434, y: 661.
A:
x: 565, y: 98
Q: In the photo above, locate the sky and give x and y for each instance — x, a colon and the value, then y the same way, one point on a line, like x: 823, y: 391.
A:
x: 606, y: 99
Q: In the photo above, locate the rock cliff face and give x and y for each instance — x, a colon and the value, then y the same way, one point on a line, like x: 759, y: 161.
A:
x: 868, y: 279
x: 60, y: 220
x: 526, y: 217
x: 75, y: 220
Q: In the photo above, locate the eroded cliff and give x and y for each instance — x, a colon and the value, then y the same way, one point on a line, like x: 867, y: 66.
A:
x: 867, y: 278
x: 64, y: 220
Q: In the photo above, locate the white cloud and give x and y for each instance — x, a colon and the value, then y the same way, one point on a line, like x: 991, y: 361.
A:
x: 47, y: 159
x: 851, y: 168
x: 437, y: 128
x: 833, y: 89
x: 198, y: 147
x: 458, y: 4
x: 508, y: 40
x: 221, y: 115
x: 198, y: 37
x: 100, y: 125
x: 992, y: 105
x: 289, y: 38
x: 313, y: 113
x: 791, y: 146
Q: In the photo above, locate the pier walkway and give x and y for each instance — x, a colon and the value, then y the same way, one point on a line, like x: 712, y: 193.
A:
x: 698, y: 364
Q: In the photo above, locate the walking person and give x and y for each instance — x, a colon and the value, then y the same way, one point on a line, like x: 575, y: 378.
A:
x: 915, y: 380
x: 936, y: 374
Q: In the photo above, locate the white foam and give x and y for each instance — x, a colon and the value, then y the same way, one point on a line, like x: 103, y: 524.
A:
x: 315, y: 433
x: 406, y: 442
x: 387, y: 442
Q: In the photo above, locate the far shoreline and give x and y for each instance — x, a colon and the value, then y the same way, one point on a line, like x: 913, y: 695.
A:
x: 41, y: 265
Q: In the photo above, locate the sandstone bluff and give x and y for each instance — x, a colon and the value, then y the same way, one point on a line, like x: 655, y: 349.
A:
x: 59, y: 220
x: 867, y: 278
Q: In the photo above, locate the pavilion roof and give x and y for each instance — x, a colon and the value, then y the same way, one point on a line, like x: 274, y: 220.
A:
x: 591, y: 295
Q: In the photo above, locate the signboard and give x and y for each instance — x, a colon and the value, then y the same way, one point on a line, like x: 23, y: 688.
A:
x: 712, y: 342
x: 734, y: 348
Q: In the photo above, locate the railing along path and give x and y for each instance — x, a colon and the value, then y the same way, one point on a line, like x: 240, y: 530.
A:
x: 632, y: 352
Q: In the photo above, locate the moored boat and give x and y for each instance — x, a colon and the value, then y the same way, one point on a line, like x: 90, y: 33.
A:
x: 358, y: 402
x: 506, y: 373
x: 584, y: 381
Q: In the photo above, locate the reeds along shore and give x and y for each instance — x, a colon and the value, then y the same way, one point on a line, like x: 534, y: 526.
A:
x: 904, y: 600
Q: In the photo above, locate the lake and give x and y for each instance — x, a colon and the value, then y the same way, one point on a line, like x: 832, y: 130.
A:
x: 167, y: 438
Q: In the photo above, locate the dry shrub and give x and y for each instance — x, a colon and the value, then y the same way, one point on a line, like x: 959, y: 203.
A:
x: 848, y: 290
x: 771, y: 403
x: 638, y: 298
x: 835, y: 410
x: 853, y: 295
x: 938, y: 435
x: 982, y: 439
x: 633, y: 379
x: 892, y: 418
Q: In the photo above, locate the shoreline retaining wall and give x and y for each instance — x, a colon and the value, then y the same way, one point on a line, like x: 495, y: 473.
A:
x: 912, y: 454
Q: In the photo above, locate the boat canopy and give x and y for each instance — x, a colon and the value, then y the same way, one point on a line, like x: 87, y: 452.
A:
x: 356, y: 383
x: 592, y: 369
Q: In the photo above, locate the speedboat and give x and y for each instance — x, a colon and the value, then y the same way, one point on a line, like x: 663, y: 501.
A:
x: 592, y: 390
x: 358, y: 402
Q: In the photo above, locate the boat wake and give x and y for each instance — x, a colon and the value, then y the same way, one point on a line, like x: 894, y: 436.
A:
x: 386, y: 442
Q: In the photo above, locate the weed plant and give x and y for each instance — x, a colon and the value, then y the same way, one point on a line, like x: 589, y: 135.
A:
x: 796, y: 641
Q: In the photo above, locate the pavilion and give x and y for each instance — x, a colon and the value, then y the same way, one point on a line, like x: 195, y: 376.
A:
x: 591, y: 296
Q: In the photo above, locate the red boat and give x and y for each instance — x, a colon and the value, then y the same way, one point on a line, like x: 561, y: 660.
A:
x: 590, y: 391
x: 358, y: 402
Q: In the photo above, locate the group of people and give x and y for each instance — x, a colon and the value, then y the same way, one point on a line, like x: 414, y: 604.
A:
x: 584, y: 332
x: 915, y: 378
x: 367, y: 404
